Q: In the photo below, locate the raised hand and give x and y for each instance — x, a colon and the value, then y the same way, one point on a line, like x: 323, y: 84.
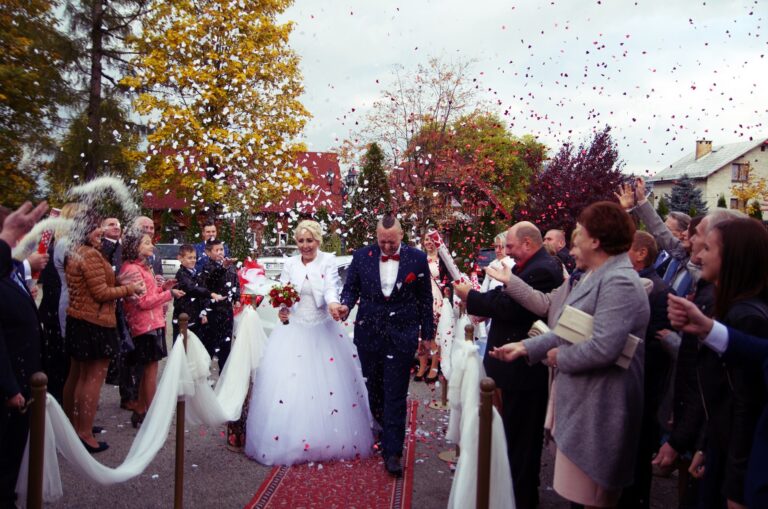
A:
x: 625, y: 196
x: 497, y: 274
x: 509, y: 352
x: 21, y: 221
x: 38, y: 261
x: 684, y: 315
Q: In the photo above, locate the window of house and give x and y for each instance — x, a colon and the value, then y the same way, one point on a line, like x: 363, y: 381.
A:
x: 739, y: 172
x: 735, y: 204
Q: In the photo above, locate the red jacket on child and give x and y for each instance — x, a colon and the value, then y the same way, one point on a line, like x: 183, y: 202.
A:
x: 147, y: 312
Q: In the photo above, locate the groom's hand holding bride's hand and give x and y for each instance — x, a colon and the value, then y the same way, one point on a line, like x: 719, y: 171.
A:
x: 343, y: 312
x: 334, y: 309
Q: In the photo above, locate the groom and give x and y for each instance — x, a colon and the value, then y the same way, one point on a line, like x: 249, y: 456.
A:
x: 391, y: 282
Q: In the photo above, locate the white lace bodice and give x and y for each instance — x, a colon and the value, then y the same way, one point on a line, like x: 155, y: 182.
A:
x: 306, y: 311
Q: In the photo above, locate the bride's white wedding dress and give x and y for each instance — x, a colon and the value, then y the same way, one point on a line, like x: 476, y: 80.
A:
x: 309, y: 401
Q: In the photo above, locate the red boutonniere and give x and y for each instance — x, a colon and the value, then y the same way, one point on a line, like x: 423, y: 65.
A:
x: 410, y: 278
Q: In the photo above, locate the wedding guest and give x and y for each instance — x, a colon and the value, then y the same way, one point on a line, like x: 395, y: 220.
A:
x: 145, y: 316
x: 90, y: 332
x: 219, y: 277
x: 61, y: 249
x: 438, y: 279
x: 20, y: 337
x: 668, y: 235
x: 733, y: 259
x: 556, y: 239
x: 209, y: 233
x: 196, y: 296
x: 502, y: 262
x: 658, y: 364
x: 749, y: 351
x: 54, y: 354
x: 523, y: 387
x: 598, y: 404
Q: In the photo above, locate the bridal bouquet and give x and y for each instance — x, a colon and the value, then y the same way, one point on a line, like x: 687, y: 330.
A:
x: 283, y: 296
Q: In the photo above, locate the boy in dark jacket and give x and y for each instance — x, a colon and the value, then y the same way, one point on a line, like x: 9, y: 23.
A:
x: 196, y: 297
x: 219, y: 277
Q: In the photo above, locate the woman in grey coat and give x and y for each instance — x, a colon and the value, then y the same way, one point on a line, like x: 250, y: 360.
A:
x: 598, y: 405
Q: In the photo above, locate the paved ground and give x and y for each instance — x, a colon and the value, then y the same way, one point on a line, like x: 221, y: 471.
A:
x: 217, y: 477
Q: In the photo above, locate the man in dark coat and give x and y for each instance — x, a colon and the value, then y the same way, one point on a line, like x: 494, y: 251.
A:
x: 556, y: 240
x: 20, y: 338
x: 523, y: 387
x: 658, y: 364
x: 391, y: 283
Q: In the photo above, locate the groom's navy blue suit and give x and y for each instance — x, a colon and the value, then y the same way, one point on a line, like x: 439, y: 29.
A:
x: 387, y: 331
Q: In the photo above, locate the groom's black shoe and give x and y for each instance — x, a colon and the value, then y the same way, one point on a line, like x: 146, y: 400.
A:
x: 392, y: 464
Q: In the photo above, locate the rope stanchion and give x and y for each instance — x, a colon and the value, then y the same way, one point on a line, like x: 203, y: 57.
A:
x: 487, y: 388
x: 39, y: 384
x: 178, y: 493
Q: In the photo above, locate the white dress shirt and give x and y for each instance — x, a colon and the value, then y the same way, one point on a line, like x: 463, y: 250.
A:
x: 388, y: 273
x: 717, y: 339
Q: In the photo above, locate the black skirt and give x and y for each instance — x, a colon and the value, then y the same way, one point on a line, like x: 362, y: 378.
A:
x: 87, y: 341
x: 149, y: 347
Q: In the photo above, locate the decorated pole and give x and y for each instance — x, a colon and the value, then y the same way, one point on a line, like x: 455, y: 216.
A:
x: 178, y: 493
x: 39, y: 384
x: 487, y: 387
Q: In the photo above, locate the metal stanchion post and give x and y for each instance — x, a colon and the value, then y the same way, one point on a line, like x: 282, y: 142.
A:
x: 487, y: 387
x: 39, y: 384
x: 178, y: 493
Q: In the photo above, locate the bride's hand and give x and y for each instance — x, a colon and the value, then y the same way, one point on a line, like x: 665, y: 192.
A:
x: 334, y: 309
x: 283, y: 314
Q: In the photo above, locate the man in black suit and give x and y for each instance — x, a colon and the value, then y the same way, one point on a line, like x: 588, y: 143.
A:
x: 523, y: 387
x: 556, y: 240
x: 20, y: 338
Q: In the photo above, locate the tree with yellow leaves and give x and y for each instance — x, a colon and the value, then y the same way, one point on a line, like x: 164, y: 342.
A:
x: 220, y: 85
x: 750, y: 187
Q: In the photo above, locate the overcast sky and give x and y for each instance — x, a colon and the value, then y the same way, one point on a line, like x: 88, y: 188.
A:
x: 661, y: 73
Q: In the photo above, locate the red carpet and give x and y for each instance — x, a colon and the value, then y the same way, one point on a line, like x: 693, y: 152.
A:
x: 358, y: 483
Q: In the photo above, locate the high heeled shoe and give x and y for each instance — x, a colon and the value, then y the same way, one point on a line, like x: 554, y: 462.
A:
x: 103, y: 446
x: 419, y: 377
x: 431, y: 380
x: 137, y: 418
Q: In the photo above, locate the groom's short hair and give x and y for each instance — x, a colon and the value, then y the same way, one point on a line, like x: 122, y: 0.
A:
x: 388, y: 221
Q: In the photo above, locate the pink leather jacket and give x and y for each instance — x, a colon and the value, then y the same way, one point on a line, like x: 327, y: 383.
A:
x: 147, y: 312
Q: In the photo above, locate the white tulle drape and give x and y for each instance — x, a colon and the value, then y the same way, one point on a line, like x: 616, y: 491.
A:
x: 463, y: 428
x: 185, y: 375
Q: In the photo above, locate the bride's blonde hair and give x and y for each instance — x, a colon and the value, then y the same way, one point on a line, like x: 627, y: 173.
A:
x: 313, y: 227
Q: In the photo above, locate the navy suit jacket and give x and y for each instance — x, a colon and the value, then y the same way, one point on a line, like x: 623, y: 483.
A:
x: 397, y: 321
x: 750, y: 349
x: 19, y: 332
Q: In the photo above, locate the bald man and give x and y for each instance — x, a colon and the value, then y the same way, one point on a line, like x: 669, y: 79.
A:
x: 523, y: 387
x: 556, y: 240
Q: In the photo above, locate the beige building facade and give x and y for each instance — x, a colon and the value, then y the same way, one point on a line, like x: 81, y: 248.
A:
x: 715, y: 169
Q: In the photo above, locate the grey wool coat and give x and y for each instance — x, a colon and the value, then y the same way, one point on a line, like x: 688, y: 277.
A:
x: 598, y: 405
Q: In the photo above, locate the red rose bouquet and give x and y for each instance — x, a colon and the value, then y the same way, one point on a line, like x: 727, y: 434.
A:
x: 283, y: 296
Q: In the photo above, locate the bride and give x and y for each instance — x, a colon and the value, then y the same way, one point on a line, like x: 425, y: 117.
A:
x: 309, y: 401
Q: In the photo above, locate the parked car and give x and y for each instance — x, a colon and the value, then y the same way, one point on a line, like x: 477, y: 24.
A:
x: 485, y: 256
x: 273, y: 258
x: 168, y: 254
x: 268, y: 314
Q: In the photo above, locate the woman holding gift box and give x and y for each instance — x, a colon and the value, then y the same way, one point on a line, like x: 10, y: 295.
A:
x: 598, y: 404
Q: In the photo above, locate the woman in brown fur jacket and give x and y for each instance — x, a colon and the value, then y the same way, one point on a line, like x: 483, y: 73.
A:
x: 91, y: 324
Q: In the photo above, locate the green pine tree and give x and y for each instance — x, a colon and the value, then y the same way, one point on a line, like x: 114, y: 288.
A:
x: 192, y: 235
x: 721, y: 202
x: 662, y: 209
x: 369, y: 201
x: 167, y: 230
x: 686, y: 197
x: 240, y: 247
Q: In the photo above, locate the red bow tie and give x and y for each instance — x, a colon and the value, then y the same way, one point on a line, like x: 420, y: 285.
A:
x: 395, y: 257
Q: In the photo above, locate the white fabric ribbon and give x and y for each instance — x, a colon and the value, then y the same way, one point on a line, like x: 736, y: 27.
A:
x: 185, y: 375
x: 464, y: 398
